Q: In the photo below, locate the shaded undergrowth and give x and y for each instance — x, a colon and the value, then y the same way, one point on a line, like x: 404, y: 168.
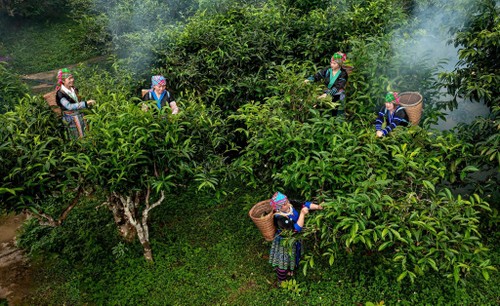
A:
x: 210, y: 253
x: 31, y: 46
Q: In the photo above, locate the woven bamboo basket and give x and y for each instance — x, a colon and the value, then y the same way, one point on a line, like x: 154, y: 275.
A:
x: 412, y: 102
x: 262, y: 215
x: 348, y: 69
x: 50, y: 98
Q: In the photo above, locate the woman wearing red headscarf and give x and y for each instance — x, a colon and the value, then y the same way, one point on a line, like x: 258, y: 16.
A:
x: 392, y: 114
x: 68, y: 100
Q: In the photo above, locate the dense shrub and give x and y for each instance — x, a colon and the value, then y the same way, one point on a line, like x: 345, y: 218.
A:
x: 477, y: 73
x: 35, y: 162
x: 227, y: 57
x: 396, y: 184
x: 476, y: 77
x: 30, y: 8
x: 11, y: 88
x: 388, y: 199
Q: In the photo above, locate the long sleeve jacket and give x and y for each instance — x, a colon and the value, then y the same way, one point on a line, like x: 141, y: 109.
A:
x: 324, y: 75
x: 67, y: 103
x: 399, y: 117
x: 289, y: 221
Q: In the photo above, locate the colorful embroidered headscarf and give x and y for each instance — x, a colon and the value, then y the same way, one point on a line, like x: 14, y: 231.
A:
x: 62, y: 74
x: 278, y: 200
x: 158, y: 80
x: 339, y: 57
x: 392, y: 97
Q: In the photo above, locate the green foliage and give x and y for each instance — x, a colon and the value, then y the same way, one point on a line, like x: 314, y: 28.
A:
x: 291, y: 285
x: 421, y: 232
x: 128, y: 149
x: 37, y: 46
x: 11, y: 88
x: 307, y: 5
x: 477, y: 74
x: 87, y: 237
x: 228, y: 58
x: 476, y: 77
x: 35, y: 161
x: 372, y: 17
x: 333, y: 160
x: 32, y: 8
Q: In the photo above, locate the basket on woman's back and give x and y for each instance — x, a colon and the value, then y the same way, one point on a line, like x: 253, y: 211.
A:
x: 263, y: 217
x: 50, y: 98
x: 413, y: 105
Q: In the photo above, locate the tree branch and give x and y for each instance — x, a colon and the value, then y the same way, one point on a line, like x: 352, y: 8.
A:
x: 65, y: 213
x: 145, y: 213
x: 127, y: 208
x: 148, y: 193
x: 45, y: 219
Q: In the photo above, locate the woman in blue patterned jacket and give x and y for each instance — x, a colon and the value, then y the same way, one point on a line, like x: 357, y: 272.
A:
x: 392, y: 114
x: 286, y: 217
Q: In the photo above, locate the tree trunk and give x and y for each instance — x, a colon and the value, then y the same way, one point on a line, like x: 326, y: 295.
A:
x: 125, y: 228
x: 148, y: 253
x: 144, y: 239
x: 125, y: 208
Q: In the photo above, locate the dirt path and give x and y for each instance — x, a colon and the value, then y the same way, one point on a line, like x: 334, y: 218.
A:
x: 15, y: 279
x: 45, y: 81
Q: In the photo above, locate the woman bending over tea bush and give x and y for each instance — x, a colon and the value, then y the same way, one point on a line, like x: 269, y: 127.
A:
x: 392, y: 114
x: 282, y: 258
x: 68, y: 100
x: 335, y: 78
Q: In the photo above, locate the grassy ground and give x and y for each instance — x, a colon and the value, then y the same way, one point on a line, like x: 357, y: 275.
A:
x: 35, y: 46
x: 212, y: 254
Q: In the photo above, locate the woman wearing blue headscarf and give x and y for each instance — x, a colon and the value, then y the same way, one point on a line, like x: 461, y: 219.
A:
x: 286, y: 217
x: 160, y: 94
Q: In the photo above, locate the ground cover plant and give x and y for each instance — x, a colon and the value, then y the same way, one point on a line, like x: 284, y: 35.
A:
x: 35, y: 46
x: 205, y: 259
x: 12, y: 88
x: 398, y: 225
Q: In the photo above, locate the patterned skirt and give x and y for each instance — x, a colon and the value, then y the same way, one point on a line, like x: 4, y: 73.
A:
x: 285, y: 257
x: 75, y: 124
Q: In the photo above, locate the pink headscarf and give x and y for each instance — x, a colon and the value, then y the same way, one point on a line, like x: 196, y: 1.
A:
x: 62, y: 74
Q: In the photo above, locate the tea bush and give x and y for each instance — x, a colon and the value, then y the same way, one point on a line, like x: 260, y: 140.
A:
x: 36, y: 162
x: 392, y: 209
x: 334, y: 160
x: 11, y: 88
x: 227, y: 57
